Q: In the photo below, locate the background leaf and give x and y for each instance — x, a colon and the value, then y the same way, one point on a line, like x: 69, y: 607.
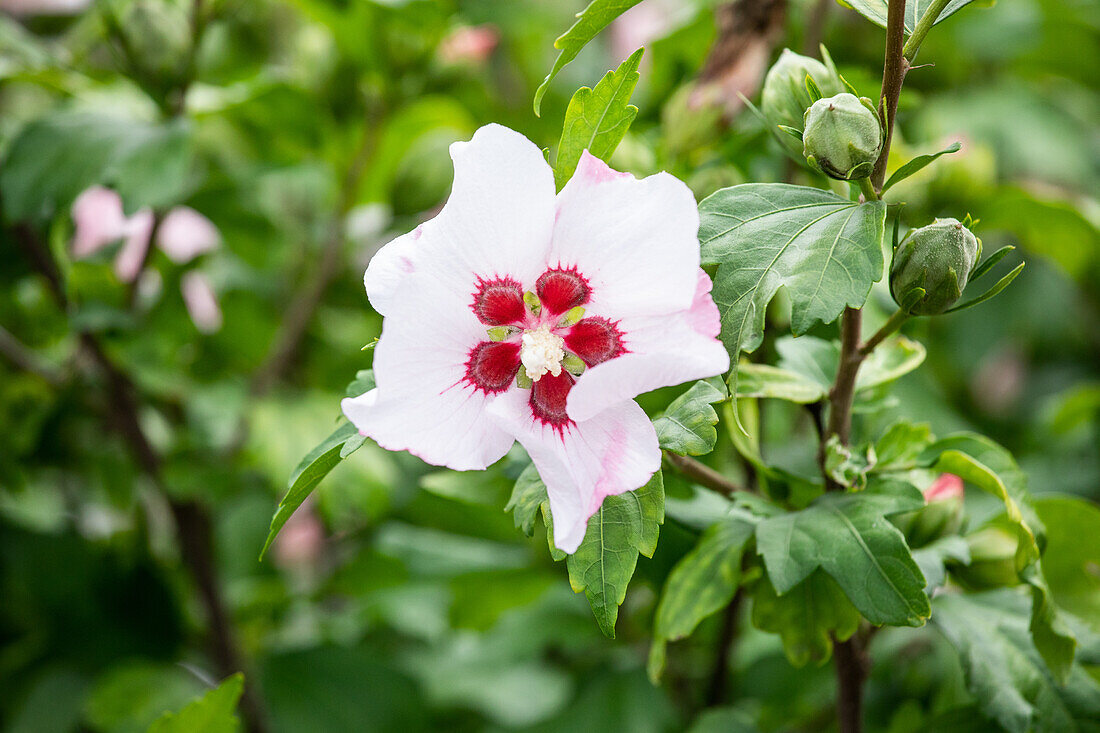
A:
x: 848, y: 536
x: 1004, y: 671
x: 590, y: 21
x: 704, y: 581
x: 807, y: 617
x: 597, y: 119
x: 211, y: 713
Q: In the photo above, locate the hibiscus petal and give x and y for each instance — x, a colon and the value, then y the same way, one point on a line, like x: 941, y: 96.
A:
x: 137, y: 230
x: 583, y: 462
x: 98, y: 219
x: 425, y: 402
x: 635, y: 241
x: 496, y: 223
x: 389, y: 266
x: 661, y: 351
x: 185, y: 234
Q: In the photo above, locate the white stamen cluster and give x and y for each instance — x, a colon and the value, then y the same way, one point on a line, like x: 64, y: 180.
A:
x: 540, y: 352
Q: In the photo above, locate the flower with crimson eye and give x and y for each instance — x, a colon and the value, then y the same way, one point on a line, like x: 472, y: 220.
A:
x: 521, y: 314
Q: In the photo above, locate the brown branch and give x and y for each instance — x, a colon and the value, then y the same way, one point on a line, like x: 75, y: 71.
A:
x: 720, y: 674
x: 24, y: 358
x: 850, y: 656
x: 852, y: 666
x: 123, y: 412
x: 894, y: 69
x: 702, y: 474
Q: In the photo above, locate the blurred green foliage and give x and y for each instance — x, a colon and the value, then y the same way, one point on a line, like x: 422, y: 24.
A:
x: 399, y: 597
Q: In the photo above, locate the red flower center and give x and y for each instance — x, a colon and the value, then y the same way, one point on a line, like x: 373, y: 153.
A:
x: 492, y: 365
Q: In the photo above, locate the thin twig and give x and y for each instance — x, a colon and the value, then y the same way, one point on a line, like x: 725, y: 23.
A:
x: 702, y: 474
x: 25, y: 358
x: 891, y: 325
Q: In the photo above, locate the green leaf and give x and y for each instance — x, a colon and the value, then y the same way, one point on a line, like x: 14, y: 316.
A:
x: 807, y: 617
x: 1071, y: 558
x: 528, y: 496
x: 986, y: 465
x: 314, y: 467
x: 602, y: 566
x: 817, y: 360
x: 890, y: 361
x: 764, y: 381
x: 214, y: 712
x: 990, y: 261
x: 623, y: 526
x: 875, y: 11
x: 823, y: 249
x: 933, y: 559
x: 597, y: 119
x: 704, y: 580
x: 56, y: 157
x: 901, y: 444
x: 1001, y: 284
x: 1004, y: 671
x: 363, y: 383
x: 590, y: 21
x: 848, y: 536
x: 916, y: 164
x: 687, y: 426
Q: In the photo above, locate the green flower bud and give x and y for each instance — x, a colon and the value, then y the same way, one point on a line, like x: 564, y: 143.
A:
x: 159, y: 32
x: 992, y: 560
x: 932, y: 266
x: 785, y: 98
x: 842, y: 136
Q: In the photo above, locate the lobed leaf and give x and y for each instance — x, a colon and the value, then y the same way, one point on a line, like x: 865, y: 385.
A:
x: 590, y: 21
x: 687, y: 426
x: 622, y: 527
x: 849, y: 536
x: 597, y: 119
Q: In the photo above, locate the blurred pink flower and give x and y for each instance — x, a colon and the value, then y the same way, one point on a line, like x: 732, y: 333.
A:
x: 301, y: 540
x: 198, y: 296
x: 469, y: 45
x: 521, y: 314
x: 947, y: 487
x: 184, y: 234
